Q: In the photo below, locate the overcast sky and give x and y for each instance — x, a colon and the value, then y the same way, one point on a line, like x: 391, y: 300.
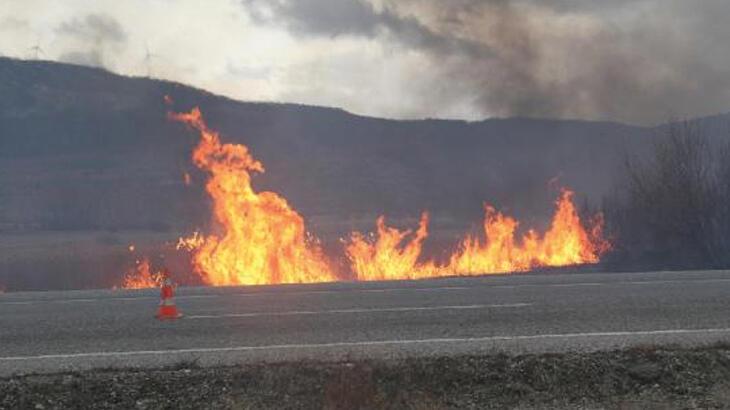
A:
x: 639, y: 61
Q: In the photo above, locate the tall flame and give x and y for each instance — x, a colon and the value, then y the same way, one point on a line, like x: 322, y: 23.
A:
x: 387, y: 257
x: 567, y: 242
x: 264, y: 240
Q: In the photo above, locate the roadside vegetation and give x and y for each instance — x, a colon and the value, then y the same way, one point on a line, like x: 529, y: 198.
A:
x: 671, y: 209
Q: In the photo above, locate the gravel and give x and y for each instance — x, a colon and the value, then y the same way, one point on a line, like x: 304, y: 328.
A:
x: 638, y: 378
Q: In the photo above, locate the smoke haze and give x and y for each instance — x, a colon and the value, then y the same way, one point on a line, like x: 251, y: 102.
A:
x: 636, y: 61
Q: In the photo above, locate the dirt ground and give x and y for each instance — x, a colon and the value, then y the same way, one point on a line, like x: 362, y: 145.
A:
x: 639, y: 378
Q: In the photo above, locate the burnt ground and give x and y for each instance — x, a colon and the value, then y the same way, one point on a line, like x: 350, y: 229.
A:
x: 638, y: 378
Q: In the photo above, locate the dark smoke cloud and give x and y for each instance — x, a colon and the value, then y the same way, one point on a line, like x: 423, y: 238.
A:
x: 641, y: 68
x: 638, y: 61
x: 333, y: 18
x: 318, y: 17
x: 99, y: 34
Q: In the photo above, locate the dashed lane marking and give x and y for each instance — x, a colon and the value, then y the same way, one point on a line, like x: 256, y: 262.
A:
x: 355, y: 311
x: 369, y: 343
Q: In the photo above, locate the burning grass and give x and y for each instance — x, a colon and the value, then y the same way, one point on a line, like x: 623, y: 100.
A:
x: 142, y: 276
x: 263, y: 240
x: 394, y: 254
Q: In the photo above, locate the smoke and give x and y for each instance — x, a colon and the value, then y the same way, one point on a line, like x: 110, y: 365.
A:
x: 633, y: 63
x: 335, y: 18
x: 636, y: 61
x: 97, y: 36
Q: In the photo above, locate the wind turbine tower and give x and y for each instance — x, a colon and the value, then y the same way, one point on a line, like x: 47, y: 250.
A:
x: 37, y: 51
x: 148, y: 57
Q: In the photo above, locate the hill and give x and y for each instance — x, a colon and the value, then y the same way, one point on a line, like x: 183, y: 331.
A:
x: 85, y: 150
x: 82, y: 148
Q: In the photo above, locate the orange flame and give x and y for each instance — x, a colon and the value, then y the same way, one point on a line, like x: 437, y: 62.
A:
x: 264, y: 240
x: 141, y: 276
x: 390, y: 256
x: 191, y: 243
x: 566, y: 243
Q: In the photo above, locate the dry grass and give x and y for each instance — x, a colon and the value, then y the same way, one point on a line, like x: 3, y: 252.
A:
x: 73, y: 260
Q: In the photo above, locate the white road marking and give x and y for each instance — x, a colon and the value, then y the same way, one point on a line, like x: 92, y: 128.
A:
x: 372, y: 343
x: 133, y: 298
x: 384, y: 290
x: 675, y: 281
x: 89, y: 300
x: 244, y: 294
x: 75, y: 300
x: 345, y: 311
x: 616, y: 283
x: 575, y: 285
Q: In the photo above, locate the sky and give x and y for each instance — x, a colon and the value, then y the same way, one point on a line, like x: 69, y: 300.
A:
x: 639, y: 62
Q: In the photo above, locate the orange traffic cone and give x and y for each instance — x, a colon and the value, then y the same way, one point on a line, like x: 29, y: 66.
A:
x: 167, y: 309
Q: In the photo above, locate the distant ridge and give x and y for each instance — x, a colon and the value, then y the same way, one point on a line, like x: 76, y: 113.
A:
x: 85, y: 149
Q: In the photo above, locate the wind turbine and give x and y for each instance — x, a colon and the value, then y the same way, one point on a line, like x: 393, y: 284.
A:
x: 37, y: 50
x: 148, y: 57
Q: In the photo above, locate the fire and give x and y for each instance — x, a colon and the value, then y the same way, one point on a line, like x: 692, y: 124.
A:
x: 567, y: 242
x: 390, y: 256
x: 263, y: 240
x: 141, y: 276
x: 191, y: 243
x: 499, y: 252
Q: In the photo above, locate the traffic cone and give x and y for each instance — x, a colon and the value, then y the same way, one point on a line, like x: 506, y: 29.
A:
x: 167, y: 309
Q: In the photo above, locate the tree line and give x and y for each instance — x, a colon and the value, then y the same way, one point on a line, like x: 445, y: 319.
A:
x: 671, y: 209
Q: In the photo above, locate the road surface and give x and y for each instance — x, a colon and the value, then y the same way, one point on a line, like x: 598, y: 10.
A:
x: 53, y: 331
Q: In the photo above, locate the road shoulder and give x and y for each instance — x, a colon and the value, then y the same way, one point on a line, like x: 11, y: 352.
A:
x: 640, y: 377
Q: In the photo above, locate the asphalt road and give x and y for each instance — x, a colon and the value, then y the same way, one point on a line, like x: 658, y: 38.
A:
x: 52, y: 331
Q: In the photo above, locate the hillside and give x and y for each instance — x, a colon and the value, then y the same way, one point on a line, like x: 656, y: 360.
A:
x: 85, y: 150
